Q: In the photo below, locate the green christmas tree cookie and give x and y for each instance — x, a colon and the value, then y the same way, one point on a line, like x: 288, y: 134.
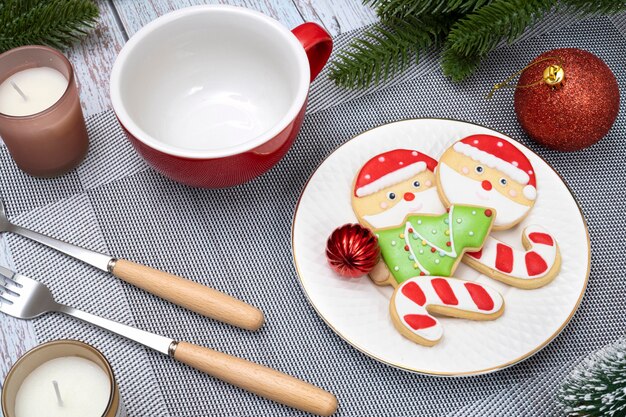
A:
x: 433, y: 245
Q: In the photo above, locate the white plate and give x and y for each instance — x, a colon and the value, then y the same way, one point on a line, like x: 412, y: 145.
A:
x: 357, y: 310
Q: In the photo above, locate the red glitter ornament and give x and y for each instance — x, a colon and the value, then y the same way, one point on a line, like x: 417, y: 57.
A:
x: 352, y: 250
x: 571, y: 114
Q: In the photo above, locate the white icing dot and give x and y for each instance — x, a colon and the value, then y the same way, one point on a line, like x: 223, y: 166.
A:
x: 395, y: 268
x: 437, y: 261
x: 471, y: 233
x: 442, y: 253
x: 415, y: 236
x: 411, y: 257
x: 368, y: 176
x: 393, y: 243
x: 414, y: 153
x: 530, y: 172
x: 529, y: 192
x: 381, y: 159
x: 459, y: 220
x: 419, y: 222
x: 377, y: 235
x: 515, y: 163
x: 475, y: 141
x: 500, y: 144
x: 434, y: 231
x: 474, y: 212
x: 400, y: 163
x: 421, y: 251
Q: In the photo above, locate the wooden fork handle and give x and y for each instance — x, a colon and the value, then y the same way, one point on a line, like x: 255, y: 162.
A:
x: 190, y: 295
x: 258, y: 379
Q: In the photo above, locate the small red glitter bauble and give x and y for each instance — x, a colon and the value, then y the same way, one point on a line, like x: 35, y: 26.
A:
x: 574, y: 115
x: 352, y: 250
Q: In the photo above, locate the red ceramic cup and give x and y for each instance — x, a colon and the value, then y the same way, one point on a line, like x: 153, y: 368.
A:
x: 213, y: 96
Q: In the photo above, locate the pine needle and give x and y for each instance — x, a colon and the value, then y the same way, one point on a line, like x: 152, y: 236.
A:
x: 401, y: 8
x: 386, y: 49
x: 56, y: 23
x: 597, y: 386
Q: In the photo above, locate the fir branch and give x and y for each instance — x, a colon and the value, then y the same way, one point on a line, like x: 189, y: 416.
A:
x: 387, y: 9
x: 57, y: 23
x: 458, y: 66
x: 386, y: 49
x: 597, y: 386
x: 478, y: 33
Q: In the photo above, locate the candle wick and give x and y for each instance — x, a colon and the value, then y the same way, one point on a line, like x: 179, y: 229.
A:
x: 19, y: 90
x: 56, y: 390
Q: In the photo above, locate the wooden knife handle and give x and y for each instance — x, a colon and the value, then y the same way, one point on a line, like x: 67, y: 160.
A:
x: 190, y: 295
x: 258, y: 379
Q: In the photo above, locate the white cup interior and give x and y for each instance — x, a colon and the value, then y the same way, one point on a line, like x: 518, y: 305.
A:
x: 209, y: 81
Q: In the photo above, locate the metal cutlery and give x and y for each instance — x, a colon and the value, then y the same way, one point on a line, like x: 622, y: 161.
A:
x: 25, y: 298
x: 183, y: 292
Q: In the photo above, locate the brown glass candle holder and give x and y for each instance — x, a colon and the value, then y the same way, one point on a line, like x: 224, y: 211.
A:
x: 53, y: 141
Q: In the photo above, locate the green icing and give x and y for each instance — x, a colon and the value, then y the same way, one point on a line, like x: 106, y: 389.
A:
x: 464, y: 227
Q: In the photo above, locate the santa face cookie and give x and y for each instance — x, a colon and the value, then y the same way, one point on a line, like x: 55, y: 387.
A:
x: 488, y: 171
x: 394, y: 184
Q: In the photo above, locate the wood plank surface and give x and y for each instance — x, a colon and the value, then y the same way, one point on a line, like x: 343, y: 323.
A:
x: 93, y: 58
x: 337, y: 16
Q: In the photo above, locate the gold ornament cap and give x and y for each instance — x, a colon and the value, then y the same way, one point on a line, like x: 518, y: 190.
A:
x: 554, y: 75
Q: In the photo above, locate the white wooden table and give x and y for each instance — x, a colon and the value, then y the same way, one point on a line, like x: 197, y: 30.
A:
x: 93, y: 58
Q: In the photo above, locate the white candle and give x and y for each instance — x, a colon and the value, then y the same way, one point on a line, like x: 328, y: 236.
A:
x: 41, y: 88
x: 84, y: 388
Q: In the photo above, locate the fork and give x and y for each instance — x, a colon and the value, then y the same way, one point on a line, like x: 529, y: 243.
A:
x: 183, y: 292
x: 25, y: 298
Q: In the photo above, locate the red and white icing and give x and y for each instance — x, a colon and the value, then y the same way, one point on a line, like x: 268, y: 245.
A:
x: 502, y: 155
x: 529, y: 264
x: 390, y: 168
x: 414, y: 296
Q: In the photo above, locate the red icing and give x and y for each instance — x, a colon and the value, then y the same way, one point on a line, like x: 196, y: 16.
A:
x: 480, y: 296
x: 410, y: 230
x: 444, y: 291
x: 504, y: 258
x: 506, y: 151
x: 448, y: 243
x: 488, y: 213
x: 486, y: 185
x: 419, y: 321
x: 535, y: 264
x: 542, y: 238
x: 476, y: 255
x: 388, y: 162
x: 414, y: 293
x: 422, y: 274
x: 409, y: 196
x: 406, y: 247
x: 433, y: 250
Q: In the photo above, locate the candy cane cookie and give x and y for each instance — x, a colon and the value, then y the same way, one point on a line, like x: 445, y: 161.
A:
x: 415, y: 301
x: 535, y: 266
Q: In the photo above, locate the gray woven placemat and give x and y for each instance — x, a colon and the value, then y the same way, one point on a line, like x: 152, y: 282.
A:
x: 114, y: 202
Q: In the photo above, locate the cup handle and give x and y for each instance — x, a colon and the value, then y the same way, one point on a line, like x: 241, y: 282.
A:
x: 317, y: 44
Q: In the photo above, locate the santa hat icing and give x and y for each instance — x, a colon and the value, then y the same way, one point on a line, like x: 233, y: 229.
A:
x: 502, y: 155
x: 390, y: 168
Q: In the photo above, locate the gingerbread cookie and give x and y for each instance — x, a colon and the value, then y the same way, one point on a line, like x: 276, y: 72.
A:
x: 484, y: 169
x: 388, y: 188
x: 393, y: 184
x: 535, y: 266
x: 488, y: 171
x: 415, y: 301
x: 433, y: 245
